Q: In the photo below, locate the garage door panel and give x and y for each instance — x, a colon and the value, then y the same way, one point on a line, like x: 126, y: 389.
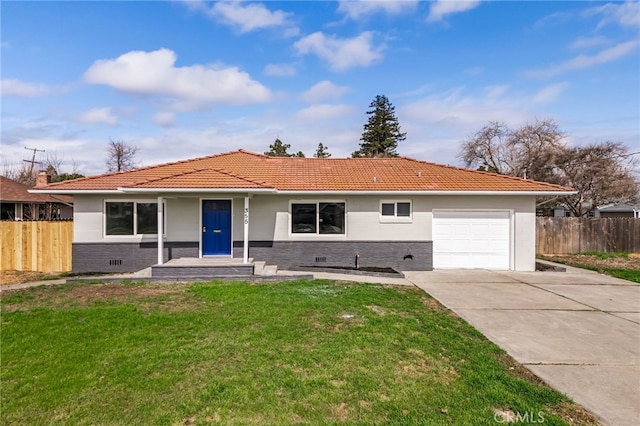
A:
x: 471, y: 239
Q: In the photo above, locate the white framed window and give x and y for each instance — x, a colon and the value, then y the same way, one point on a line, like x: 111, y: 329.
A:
x: 396, y: 211
x: 318, y: 217
x: 129, y: 218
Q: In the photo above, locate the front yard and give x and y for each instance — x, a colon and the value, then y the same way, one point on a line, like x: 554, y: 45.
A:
x: 314, y: 352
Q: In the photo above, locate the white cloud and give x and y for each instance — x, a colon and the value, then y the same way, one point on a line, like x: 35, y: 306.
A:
x: 155, y: 74
x: 588, y: 42
x: 549, y: 93
x: 341, y: 54
x: 625, y: 14
x: 245, y: 17
x: 495, y: 92
x: 164, y: 118
x: 324, y: 90
x: 440, y: 8
x: 280, y: 70
x: 99, y: 116
x: 586, y: 61
x: 456, y: 110
x: 355, y: 9
x: 324, y: 112
x: 12, y: 87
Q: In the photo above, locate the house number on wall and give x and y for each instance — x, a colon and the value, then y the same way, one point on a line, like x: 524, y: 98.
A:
x: 246, y: 216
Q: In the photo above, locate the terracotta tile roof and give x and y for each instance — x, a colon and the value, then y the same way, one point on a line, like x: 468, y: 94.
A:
x: 246, y: 170
x: 14, y: 192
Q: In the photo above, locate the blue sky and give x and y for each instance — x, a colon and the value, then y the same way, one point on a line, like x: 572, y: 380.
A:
x: 184, y: 79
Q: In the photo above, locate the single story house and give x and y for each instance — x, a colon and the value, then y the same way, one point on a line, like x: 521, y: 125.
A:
x: 16, y: 203
x: 395, y: 212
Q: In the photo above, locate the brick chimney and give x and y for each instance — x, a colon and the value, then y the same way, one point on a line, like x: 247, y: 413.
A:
x: 42, y: 179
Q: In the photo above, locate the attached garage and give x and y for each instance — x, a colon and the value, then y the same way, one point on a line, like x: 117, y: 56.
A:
x: 472, y: 239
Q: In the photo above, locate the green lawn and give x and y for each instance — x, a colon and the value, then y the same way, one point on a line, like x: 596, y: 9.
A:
x: 314, y: 352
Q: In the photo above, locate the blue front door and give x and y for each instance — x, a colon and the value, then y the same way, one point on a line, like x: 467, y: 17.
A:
x: 216, y: 227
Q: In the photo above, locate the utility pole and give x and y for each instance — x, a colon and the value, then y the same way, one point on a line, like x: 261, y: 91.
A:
x: 33, y: 158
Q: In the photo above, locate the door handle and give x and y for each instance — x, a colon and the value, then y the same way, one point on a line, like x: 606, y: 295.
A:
x: 204, y: 229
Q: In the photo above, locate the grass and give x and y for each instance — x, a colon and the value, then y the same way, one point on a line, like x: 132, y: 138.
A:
x: 625, y: 274
x: 313, y: 352
x: 602, y: 262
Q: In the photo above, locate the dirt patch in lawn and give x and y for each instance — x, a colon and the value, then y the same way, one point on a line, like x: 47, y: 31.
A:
x: 631, y: 262
x: 119, y: 292
x: 19, y: 277
x: 171, y: 297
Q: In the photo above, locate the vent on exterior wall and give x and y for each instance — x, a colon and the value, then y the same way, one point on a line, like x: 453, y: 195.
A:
x: 113, y: 262
x: 321, y: 259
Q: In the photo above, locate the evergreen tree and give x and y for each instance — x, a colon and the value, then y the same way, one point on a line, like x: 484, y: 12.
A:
x: 382, y: 132
x: 322, y: 151
x: 278, y: 149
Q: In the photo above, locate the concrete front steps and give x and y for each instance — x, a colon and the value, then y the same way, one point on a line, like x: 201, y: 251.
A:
x: 212, y: 268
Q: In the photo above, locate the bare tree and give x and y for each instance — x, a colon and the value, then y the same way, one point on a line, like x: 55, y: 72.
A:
x: 600, y: 173
x: 19, y: 172
x: 527, y: 152
x: 121, y: 156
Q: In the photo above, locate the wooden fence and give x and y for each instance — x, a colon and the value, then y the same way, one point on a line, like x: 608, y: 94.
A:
x: 36, y: 246
x: 563, y: 235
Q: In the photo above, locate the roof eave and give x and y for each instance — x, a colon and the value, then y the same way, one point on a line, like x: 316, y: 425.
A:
x: 74, y: 191
x: 124, y: 190
x: 428, y: 192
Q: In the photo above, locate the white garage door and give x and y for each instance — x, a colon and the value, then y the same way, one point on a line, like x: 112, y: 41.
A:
x: 471, y: 239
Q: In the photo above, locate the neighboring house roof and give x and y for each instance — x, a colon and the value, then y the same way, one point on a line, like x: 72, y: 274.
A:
x: 620, y: 208
x: 15, y: 192
x: 244, y: 170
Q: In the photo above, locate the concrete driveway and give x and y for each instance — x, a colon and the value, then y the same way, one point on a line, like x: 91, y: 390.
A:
x: 579, y: 331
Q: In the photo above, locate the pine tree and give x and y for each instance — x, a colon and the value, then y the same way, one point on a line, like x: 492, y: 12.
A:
x: 278, y: 149
x: 322, y: 151
x: 382, y: 132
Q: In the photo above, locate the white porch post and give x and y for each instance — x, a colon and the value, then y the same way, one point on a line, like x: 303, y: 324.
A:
x: 160, y: 232
x: 245, y: 245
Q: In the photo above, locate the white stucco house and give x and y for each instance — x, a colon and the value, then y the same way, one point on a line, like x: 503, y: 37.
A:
x: 395, y: 212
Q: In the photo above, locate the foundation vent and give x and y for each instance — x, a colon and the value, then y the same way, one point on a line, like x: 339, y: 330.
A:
x: 115, y: 262
x: 321, y: 259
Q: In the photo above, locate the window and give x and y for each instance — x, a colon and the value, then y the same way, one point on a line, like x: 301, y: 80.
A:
x: 147, y: 218
x: 303, y: 218
x: 318, y: 218
x: 131, y: 218
x: 7, y: 211
x: 390, y: 210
